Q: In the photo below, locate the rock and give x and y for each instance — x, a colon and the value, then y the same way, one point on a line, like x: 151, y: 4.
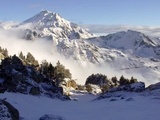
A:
x: 35, y: 91
x: 134, y: 87
x: 51, y: 117
x: 122, y: 98
x: 7, y: 111
x: 154, y: 86
x: 94, y: 89
x: 130, y: 99
x: 138, y: 87
x: 71, y: 83
x: 60, y: 90
x: 113, y: 99
x: 2, y: 89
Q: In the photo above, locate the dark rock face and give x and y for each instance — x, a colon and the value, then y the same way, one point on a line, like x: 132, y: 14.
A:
x: 51, y: 117
x: 154, y: 86
x: 134, y: 87
x: 7, y: 111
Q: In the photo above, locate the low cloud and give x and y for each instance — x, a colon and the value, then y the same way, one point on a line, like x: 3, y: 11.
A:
x: 43, y: 49
x: 108, y: 29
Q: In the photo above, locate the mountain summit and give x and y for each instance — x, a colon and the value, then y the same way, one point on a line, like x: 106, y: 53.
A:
x: 50, y: 23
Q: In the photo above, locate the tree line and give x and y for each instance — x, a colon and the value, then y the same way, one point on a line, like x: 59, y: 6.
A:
x: 57, y: 73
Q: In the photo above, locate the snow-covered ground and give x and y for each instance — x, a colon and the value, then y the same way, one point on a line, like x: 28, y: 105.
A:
x: 137, y: 107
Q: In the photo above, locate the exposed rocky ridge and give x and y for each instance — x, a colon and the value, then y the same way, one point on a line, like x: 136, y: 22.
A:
x: 125, y: 91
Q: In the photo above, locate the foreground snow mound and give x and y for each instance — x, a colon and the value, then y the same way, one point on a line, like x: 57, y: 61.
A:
x: 128, y: 106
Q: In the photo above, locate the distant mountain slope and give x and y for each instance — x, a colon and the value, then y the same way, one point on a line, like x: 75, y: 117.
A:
x: 137, y: 43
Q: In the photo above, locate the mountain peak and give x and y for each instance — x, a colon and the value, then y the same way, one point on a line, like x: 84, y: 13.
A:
x: 51, y: 23
x: 44, y: 17
x: 46, y: 11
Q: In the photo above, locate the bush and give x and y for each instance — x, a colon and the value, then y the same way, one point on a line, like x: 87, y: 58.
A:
x: 123, y: 81
x: 105, y: 88
x: 97, y: 79
x: 89, y: 88
x: 80, y: 87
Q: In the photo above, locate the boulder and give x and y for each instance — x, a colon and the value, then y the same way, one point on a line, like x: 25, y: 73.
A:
x: 51, y: 117
x: 35, y: 91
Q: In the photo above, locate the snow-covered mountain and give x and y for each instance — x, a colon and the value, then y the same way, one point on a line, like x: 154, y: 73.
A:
x: 137, y: 43
x: 129, y: 52
x: 47, y: 23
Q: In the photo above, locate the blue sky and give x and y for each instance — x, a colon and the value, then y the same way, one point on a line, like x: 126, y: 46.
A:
x: 108, y: 12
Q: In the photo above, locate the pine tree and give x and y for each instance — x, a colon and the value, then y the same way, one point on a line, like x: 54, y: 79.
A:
x: 21, y: 56
x: 114, y: 80
x: 44, y: 67
x: 31, y: 60
x: 5, y: 52
x: 0, y: 50
x: 133, y: 80
x: 51, y: 71
x: 123, y: 81
x: 60, y: 73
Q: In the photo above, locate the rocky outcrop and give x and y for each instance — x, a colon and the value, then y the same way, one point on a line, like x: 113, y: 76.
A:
x: 7, y: 111
x: 134, y: 87
x: 154, y: 86
x: 19, y: 78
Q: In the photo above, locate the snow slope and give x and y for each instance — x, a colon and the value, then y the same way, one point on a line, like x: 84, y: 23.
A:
x: 133, y: 107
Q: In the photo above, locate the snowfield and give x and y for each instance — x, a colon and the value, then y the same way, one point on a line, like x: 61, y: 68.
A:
x: 132, y: 107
